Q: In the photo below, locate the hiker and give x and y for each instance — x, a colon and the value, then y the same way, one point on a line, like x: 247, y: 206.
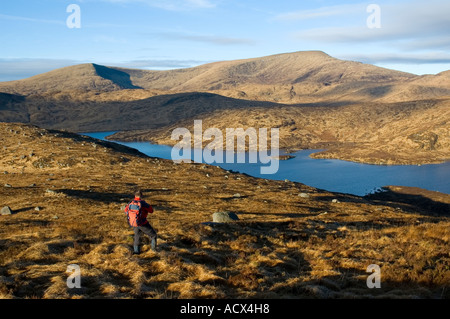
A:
x: 137, y: 211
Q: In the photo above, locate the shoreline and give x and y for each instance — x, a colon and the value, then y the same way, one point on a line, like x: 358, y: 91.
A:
x: 289, y: 154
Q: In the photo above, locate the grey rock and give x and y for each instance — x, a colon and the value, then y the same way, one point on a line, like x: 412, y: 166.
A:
x: 224, y: 217
x: 8, y: 185
x: 303, y: 195
x: 6, y: 211
x: 335, y: 201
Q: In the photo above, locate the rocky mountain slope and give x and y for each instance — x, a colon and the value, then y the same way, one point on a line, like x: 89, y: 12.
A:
x: 356, y: 111
x: 297, y: 77
x: 291, y: 241
x: 376, y: 133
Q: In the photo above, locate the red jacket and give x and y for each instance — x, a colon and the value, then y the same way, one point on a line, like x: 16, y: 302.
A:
x: 145, y: 210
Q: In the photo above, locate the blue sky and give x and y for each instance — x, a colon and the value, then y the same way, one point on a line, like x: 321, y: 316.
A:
x: 166, y: 34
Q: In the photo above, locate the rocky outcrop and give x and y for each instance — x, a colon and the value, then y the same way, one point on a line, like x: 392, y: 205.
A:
x: 425, y: 140
x: 224, y: 217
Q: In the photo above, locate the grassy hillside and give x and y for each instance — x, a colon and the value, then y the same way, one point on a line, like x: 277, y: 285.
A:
x: 297, y: 77
x: 376, y: 133
x: 355, y: 111
x: 67, y: 191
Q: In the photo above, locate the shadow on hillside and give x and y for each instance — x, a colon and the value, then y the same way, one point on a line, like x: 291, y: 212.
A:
x: 97, y: 196
x: 21, y: 210
x: 146, y: 113
x: 352, y: 283
x: 108, y: 198
x: 274, y: 268
x: 288, y: 215
x: 249, y: 244
x: 341, y: 197
x: 120, y: 78
x: 412, y: 203
x: 87, y: 139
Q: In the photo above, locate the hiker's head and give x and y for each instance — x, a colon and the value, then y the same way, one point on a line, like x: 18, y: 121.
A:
x: 138, y: 194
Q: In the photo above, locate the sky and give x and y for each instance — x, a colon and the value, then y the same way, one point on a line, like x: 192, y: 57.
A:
x: 38, y: 36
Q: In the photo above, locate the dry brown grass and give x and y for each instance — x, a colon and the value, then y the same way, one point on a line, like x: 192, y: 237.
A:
x: 374, y: 133
x: 355, y: 111
x: 283, y: 246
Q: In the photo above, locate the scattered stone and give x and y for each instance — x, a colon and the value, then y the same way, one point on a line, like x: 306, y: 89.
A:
x: 8, y: 185
x: 55, y: 217
x: 37, y: 208
x: 50, y: 191
x: 324, y: 213
x: 6, y: 211
x: 303, y: 195
x: 237, y: 195
x: 335, y: 201
x: 224, y: 217
x: 32, y: 185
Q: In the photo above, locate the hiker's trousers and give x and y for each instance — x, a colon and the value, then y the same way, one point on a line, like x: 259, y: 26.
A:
x: 146, y: 229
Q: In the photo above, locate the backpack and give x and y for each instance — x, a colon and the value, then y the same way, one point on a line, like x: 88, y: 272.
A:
x: 134, y: 213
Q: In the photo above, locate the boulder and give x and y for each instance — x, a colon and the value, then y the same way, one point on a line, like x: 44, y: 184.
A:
x: 224, y: 217
x: 6, y: 211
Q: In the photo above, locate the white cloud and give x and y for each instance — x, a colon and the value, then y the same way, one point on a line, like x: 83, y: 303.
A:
x: 323, y: 12
x: 404, y: 23
x: 19, y: 18
x: 211, y: 39
x: 17, y: 68
x: 201, y: 3
x: 399, y: 58
x: 171, y: 5
x: 158, y: 64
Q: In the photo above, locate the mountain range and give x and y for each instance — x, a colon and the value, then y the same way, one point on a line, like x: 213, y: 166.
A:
x: 357, y: 111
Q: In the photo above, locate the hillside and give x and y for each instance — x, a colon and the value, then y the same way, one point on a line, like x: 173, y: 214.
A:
x: 83, y: 77
x: 291, y: 240
x: 288, y: 78
x: 355, y: 111
x: 376, y: 133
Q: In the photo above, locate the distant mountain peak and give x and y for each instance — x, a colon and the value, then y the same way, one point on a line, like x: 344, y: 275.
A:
x: 293, y: 77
